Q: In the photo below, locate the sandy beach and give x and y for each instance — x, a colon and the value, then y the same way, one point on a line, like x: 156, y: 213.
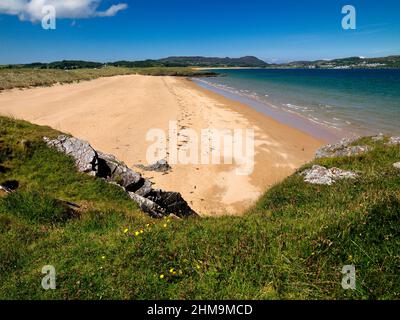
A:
x: 115, y: 114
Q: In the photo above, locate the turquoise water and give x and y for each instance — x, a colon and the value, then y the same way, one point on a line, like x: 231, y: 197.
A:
x: 341, y: 102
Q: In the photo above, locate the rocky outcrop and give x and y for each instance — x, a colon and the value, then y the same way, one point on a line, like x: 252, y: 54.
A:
x: 341, y: 149
x: 81, y: 151
x: 148, y: 206
x: 9, y: 186
x: 110, y: 168
x: 379, y: 137
x: 160, y: 166
x: 394, y: 141
x: 5, y: 189
x: 323, y: 176
x: 172, y: 202
x: 157, y: 203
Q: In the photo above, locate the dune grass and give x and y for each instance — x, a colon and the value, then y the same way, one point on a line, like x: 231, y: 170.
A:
x: 291, y: 245
x: 26, y: 78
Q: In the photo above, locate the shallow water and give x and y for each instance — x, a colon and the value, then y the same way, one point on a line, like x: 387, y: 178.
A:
x: 326, y: 103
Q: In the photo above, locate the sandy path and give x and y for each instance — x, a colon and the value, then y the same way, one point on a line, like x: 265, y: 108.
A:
x: 114, y: 115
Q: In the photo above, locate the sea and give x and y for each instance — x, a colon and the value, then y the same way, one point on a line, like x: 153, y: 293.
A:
x: 327, y: 103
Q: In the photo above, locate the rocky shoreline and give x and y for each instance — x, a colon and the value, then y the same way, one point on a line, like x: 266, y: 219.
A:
x: 155, y: 202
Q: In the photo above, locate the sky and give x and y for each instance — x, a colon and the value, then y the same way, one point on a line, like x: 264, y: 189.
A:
x: 275, y: 31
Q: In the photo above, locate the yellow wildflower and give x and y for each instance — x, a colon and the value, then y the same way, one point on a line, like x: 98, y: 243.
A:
x: 165, y: 225
x: 126, y: 230
x: 171, y: 270
x: 161, y: 276
x: 136, y: 233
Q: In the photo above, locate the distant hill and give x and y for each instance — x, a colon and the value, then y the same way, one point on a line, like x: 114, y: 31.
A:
x: 346, y: 63
x: 65, y: 64
x: 198, y: 61
x: 248, y: 61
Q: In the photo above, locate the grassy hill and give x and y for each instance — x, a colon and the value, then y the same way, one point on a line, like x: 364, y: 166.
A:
x: 197, y: 61
x: 292, y: 244
x: 350, y: 62
x: 248, y: 61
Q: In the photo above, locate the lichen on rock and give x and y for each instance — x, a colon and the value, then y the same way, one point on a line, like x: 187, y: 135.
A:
x: 323, y: 176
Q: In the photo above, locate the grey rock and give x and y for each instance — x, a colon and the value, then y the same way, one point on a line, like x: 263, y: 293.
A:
x: 145, y: 189
x: 396, y: 165
x: 110, y: 168
x: 81, y: 151
x: 9, y: 186
x: 394, y: 141
x: 323, y: 176
x: 160, y: 166
x: 157, y: 203
x: 378, y: 137
x: 5, y: 189
x: 341, y: 149
x: 172, y: 202
x: 148, y: 206
x: 327, y: 150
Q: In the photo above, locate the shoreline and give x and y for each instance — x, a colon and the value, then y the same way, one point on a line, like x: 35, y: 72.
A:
x: 269, y: 110
x: 332, y: 105
x: 113, y: 114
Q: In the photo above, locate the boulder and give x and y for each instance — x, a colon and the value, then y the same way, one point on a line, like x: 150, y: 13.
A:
x: 159, y: 203
x: 145, y: 189
x: 9, y: 186
x: 148, y: 206
x: 5, y: 189
x: 108, y: 167
x: 394, y: 141
x: 172, y: 202
x: 341, y: 149
x: 323, y: 176
x: 160, y: 166
x: 378, y: 137
x: 81, y: 151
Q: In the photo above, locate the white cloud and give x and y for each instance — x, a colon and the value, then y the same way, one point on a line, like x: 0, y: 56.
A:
x: 72, y: 9
x: 113, y: 10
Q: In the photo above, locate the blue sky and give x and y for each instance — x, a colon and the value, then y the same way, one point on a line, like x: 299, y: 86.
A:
x: 279, y: 31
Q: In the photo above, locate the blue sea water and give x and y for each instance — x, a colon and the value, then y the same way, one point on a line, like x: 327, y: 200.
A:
x: 342, y: 102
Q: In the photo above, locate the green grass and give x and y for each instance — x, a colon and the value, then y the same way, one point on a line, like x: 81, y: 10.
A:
x: 25, y: 78
x: 291, y: 245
